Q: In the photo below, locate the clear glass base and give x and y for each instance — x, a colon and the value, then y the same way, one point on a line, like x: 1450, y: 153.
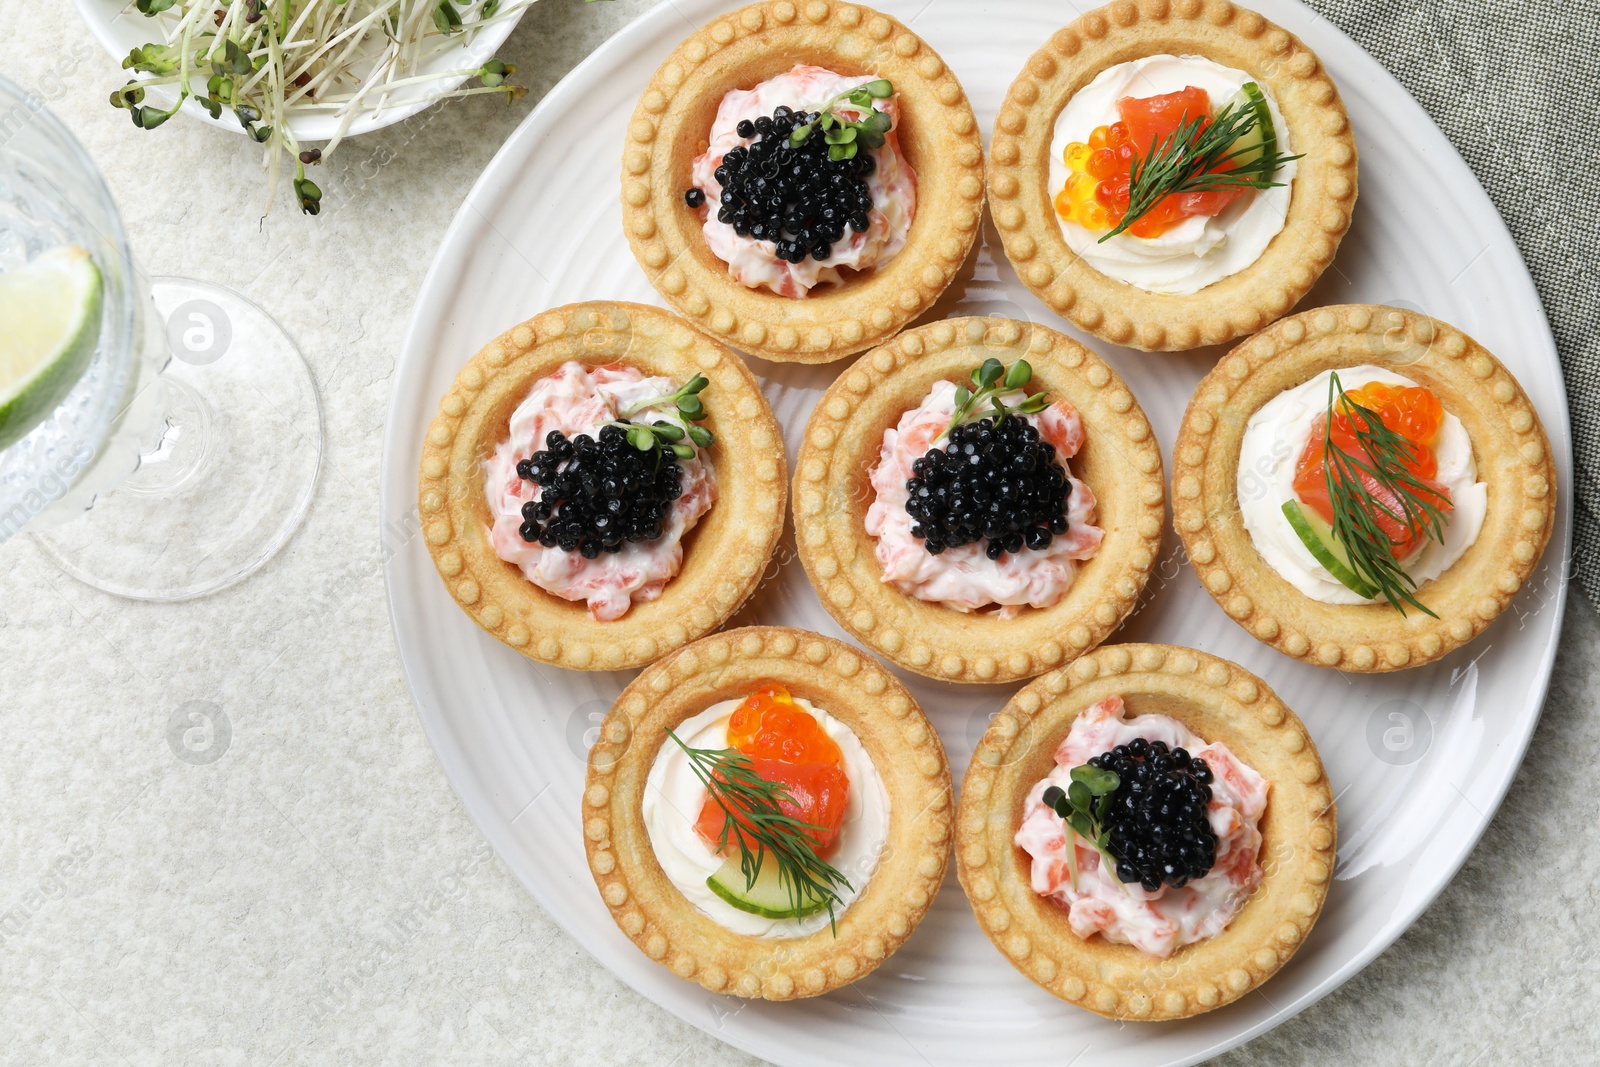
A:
x: 224, y: 477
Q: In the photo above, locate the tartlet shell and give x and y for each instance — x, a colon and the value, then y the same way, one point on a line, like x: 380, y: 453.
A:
x: 904, y: 748
x: 725, y: 554
x: 1508, y: 443
x: 938, y: 133
x: 1218, y: 700
x: 1120, y: 461
x: 1320, y: 204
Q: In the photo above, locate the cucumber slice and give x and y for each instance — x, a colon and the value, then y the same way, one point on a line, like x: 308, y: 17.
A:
x: 768, y: 897
x: 1329, y: 551
x: 1262, y: 138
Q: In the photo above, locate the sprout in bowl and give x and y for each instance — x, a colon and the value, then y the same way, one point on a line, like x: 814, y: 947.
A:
x: 289, y: 72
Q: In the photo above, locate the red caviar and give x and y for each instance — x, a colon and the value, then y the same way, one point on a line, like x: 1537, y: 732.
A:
x: 1411, y: 411
x: 789, y: 746
x: 1097, y: 190
x: 770, y: 724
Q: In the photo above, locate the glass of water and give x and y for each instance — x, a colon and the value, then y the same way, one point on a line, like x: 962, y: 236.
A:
x: 159, y: 437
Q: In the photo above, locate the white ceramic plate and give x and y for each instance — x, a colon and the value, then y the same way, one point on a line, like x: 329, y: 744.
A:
x: 119, y: 27
x: 1419, y: 759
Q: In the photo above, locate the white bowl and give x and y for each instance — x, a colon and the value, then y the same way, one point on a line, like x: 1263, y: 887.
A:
x: 119, y: 27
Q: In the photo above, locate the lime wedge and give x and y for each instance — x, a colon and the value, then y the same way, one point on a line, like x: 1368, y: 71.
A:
x: 1319, y: 539
x: 1262, y: 138
x: 51, y: 312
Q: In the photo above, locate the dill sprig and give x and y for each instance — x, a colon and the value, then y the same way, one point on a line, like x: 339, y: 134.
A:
x: 1382, y: 455
x: 1185, y: 161
x: 752, y: 803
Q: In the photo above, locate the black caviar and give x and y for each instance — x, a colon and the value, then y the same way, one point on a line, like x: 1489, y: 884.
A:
x: 694, y: 197
x: 1159, y: 831
x: 792, y: 195
x: 993, y: 482
x: 598, y: 494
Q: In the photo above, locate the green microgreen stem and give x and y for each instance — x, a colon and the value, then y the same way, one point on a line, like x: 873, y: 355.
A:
x: 845, y: 136
x: 686, y: 398
x: 989, y: 381
x: 1083, y: 806
x: 668, y: 435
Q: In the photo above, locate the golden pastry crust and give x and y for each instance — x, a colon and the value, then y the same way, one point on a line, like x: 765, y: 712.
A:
x: 852, y: 688
x: 938, y: 135
x: 1322, y: 196
x: 1508, y: 444
x: 724, y: 555
x: 1218, y: 700
x: 1120, y: 461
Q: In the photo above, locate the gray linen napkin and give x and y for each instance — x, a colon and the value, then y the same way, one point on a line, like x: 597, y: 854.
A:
x: 1516, y: 88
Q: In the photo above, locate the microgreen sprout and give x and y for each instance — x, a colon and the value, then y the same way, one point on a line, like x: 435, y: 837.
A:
x: 845, y: 136
x: 446, y: 17
x: 268, y: 61
x: 669, y: 435
x: 1084, y: 805
x: 989, y: 381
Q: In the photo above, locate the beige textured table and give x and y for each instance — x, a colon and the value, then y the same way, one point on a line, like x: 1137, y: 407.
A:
x: 317, y: 894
